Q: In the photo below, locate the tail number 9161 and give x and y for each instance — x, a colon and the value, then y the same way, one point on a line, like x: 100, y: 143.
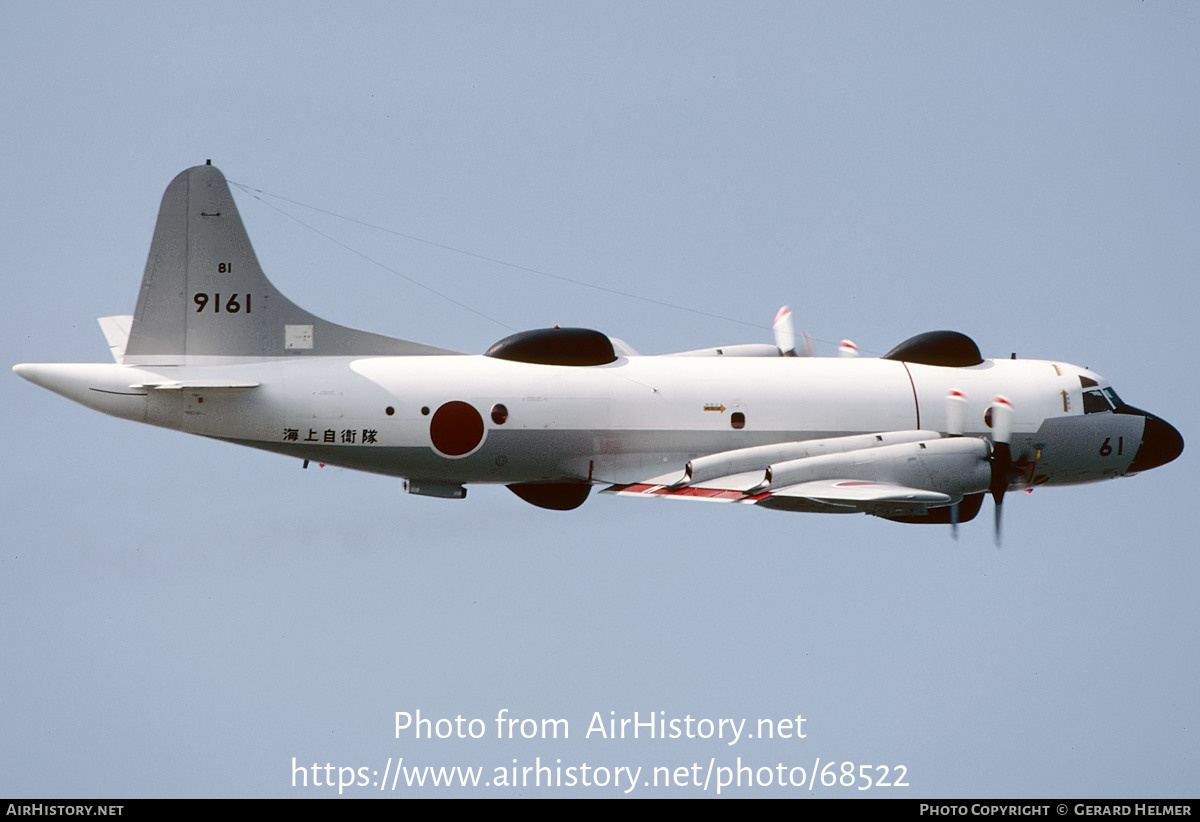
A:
x: 234, y: 303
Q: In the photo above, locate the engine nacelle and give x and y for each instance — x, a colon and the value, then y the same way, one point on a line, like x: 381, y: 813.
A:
x: 954, y: 465
x: 727, y: 463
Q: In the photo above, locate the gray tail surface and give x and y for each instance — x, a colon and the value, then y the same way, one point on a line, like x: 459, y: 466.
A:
x: 204, y: 294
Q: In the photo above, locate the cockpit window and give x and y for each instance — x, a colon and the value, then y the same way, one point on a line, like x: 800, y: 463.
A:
x: 1113, y: 398
x: 1094, y: 402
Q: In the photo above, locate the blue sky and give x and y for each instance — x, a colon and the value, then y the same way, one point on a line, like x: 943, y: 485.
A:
x: 182, y: 618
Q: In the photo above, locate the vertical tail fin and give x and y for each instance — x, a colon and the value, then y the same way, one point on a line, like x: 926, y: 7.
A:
x: 204, y: 294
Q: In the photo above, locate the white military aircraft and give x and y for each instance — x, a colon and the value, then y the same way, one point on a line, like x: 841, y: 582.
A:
x: 919, y: 435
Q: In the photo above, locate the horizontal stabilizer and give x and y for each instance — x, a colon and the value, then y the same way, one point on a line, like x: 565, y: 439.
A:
x: 197, y: 385
x: 116, y: 331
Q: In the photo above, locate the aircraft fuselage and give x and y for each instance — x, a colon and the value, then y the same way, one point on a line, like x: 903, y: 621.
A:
x: 479, y: 419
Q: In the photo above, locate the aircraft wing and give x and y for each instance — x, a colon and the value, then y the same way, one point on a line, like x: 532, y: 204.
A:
x: 891, y: 474
x: 848, y: 496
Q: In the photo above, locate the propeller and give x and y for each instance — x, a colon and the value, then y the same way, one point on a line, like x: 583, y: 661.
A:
x: 785, y: 332
x: 956, y: 407
x: 1001, y: 416
x: 785, y: 336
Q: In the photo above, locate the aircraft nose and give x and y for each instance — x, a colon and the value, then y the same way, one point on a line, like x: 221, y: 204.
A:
x: 1161, y: 443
